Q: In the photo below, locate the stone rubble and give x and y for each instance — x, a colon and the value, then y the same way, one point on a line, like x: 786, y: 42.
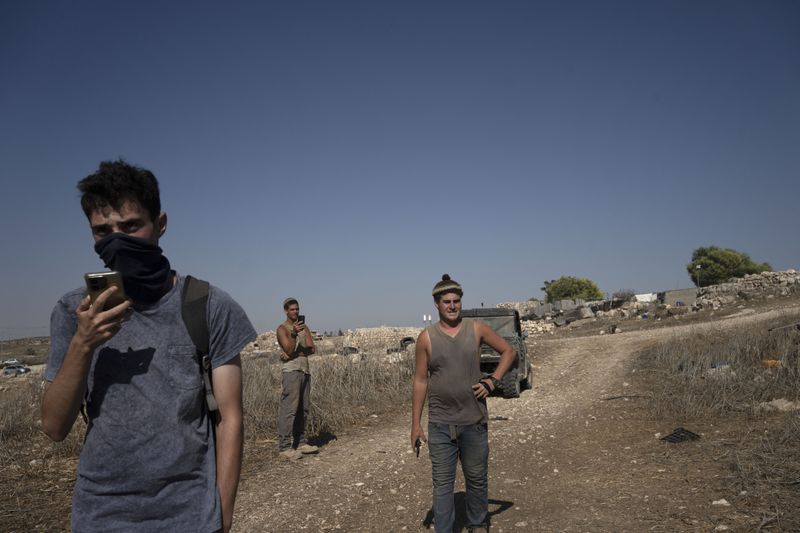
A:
x: 546, y: 318
x: 543, y: 318
x: 750, y: 287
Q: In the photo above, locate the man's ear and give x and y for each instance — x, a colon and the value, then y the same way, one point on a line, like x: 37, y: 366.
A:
x: 161, y: 222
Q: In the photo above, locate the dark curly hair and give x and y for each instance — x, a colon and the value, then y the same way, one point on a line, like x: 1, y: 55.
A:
x: 116, y: 182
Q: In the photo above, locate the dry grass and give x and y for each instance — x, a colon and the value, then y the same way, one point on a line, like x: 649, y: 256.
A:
x: 343, y: 392
x: 37, y: 475
x: 765, y: 470
x: 717, y: 372
x: 724, y: 376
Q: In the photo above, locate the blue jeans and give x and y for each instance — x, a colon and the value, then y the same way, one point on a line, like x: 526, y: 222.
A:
x: 446, y: 443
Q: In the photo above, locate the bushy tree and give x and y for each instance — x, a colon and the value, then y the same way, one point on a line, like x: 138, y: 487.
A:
x: 571, y: 288
x: 718, y: 265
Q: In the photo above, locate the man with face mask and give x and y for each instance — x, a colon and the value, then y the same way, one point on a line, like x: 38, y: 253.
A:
x: 150, y: 460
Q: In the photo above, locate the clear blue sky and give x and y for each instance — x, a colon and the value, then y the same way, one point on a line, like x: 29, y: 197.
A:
x: 349, y: 153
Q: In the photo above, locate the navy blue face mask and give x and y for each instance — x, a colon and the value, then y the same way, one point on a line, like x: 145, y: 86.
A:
x: 145, y: 271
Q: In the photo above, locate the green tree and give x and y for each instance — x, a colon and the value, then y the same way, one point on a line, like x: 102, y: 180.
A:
x: 571, y: 288
x: 712, y: 265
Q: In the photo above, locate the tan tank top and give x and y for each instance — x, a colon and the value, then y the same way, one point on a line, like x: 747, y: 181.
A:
x: 301, y: 361
x: 454, y: 366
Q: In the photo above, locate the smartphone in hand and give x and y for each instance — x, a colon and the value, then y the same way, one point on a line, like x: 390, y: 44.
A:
x: 301, y: 318
x: 97, y: 282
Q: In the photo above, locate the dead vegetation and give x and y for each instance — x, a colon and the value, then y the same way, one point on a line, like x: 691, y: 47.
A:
x: 343, y: 392
x: 37, y: 475
x: 711, y: 374
x: 729, y: 377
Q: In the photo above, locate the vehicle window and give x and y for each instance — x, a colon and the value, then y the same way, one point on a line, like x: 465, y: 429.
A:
x: 503, y: 325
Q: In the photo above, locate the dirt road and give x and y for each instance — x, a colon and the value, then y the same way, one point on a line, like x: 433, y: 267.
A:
x: 577, y: 453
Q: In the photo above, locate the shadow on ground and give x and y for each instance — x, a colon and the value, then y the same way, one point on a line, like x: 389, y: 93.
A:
x: 461, y: 517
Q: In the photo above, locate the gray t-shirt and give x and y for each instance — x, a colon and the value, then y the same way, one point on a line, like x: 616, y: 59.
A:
x: 454, y: 366
x: 148, y: 462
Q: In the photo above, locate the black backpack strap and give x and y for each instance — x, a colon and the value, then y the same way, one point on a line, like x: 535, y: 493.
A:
x: 194, y: 305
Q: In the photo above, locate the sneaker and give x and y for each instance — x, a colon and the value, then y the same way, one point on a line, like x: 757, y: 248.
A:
x: 306, y: 449
x: 478, y: 530
x: 290, y: 454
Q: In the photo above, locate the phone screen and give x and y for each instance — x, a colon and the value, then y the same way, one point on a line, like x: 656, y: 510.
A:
x: 301, y: 318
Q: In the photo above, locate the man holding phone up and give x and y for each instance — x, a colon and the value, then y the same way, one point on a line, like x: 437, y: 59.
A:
x: 297, y: 344
x: 447, y: 371
x: 150, y: 460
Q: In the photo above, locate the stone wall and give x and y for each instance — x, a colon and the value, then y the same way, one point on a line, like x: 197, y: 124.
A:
x: 265, y: 343
x: 523, y: 308
x: 750, y: 287
x: 379, y: 339
x: 685, y: 296
x: 537, y: 327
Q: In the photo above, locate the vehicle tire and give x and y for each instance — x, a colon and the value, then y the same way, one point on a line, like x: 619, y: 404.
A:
x: 526, y: 384
x: 508, y: 387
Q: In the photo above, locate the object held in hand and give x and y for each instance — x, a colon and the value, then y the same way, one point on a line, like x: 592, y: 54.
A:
x: 98, y: 282
x: 485, y: 386
x: 417, y: 444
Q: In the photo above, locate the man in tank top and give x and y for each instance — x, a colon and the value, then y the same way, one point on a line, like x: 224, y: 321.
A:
x: 297, y: 344
x: 448, y: 372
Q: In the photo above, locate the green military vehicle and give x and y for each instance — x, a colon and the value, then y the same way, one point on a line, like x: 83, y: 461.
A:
x: 506, y: 323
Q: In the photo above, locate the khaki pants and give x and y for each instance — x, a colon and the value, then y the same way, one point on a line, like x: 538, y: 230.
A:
x: 293, y: 409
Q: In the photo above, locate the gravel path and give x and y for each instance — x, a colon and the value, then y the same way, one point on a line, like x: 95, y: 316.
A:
x: 577, y: 453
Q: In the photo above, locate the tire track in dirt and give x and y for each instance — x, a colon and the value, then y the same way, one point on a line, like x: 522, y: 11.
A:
x: 562, y: 458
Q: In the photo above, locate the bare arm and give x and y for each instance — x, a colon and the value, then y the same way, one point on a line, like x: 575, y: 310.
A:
x: 508, y: 355
x: 419, y: 388
x: 227, y: 384
x: 63, y: 397
x: 310, y: 348
x: 286, y: 342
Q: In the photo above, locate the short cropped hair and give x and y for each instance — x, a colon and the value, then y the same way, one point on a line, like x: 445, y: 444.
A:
x: 117, y: 182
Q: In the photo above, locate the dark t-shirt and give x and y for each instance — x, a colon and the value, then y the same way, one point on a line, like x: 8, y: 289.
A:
x: 148, y: 462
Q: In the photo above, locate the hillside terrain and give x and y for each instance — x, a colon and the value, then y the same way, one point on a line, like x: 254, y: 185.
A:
x: 579, y: 452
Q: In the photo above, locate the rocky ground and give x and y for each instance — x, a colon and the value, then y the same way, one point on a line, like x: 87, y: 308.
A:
x: 577, y: 453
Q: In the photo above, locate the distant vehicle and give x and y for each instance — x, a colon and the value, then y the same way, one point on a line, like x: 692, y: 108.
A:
x: 13, y: 370
x: 349, y: 350
x: 506, y: 323
x: 11, y: 362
